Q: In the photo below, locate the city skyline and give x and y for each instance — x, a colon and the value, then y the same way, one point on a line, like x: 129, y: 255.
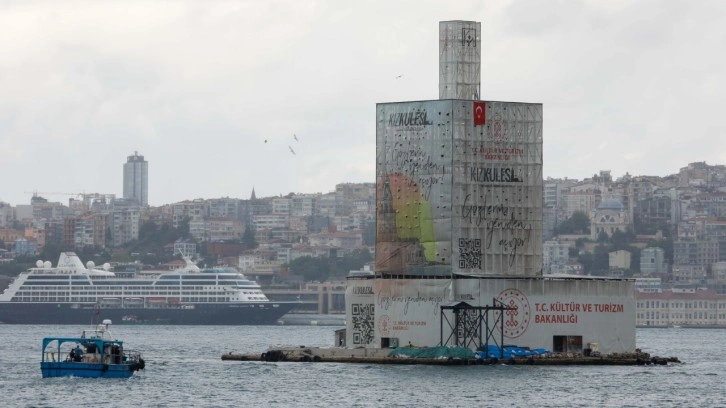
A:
x: 247, y: 195
x: 225, y: 97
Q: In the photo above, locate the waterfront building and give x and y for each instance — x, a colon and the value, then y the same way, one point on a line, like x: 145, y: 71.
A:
x: 681, y: 307
x: 260, y: 263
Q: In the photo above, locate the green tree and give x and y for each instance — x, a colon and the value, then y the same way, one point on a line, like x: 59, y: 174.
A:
x: 52, y: 250
x: 353, y: 261
x: 622, y: 239
x: 601, y: 260
x: 578, y: 223
x: 597, y: 262
x: 183, y: 229
x: 634, y: 259
x: 15, y: 267
x: 248, y: 238
x: 324, y: 267
x: 152, y: 241
x: 311, y: 269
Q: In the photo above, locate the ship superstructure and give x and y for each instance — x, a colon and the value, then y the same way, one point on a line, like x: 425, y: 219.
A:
x: 185, y: 296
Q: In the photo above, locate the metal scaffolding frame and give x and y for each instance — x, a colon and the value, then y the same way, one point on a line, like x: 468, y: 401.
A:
x: 470, y: 323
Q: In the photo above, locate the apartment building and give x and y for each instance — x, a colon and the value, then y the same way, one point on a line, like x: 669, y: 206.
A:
x: 680, y: 307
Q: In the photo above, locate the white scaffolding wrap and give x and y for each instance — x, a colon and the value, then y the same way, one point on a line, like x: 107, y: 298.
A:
x: 459, y: 60
x: 459, y: 188
x: 497, y: 189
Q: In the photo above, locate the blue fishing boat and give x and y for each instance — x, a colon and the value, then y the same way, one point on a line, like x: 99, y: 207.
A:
x: 94, y: 354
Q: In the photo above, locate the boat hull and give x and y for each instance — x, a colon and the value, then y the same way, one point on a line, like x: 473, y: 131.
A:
x: 258, y: 313
x: 86, y: 370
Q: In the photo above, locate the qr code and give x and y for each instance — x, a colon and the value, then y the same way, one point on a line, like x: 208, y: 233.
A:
x: 363, y: 316
x: 469, y: 253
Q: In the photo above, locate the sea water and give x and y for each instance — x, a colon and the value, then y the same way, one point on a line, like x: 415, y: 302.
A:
x: 184, y: 368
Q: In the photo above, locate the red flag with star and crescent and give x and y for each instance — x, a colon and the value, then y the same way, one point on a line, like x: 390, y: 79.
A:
x: 480, y: 113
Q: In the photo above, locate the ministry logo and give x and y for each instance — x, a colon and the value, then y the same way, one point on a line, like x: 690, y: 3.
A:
x: 516, y: 320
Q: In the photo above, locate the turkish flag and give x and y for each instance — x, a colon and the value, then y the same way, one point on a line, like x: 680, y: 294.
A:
x: 480, y: 113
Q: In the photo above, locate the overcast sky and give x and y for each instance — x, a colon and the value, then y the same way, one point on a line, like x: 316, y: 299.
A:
x: 198, y: 86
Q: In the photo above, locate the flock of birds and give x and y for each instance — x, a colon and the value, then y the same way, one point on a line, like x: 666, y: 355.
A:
x: 294, y: 136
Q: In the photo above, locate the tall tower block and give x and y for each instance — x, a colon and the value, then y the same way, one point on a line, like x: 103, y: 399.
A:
x: 136, y: 179
x: 459, y: 178
x: 459, y: 221
x: 459, y: 60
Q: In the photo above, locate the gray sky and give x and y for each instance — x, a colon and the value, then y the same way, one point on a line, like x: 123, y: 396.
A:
x: 198, y: 86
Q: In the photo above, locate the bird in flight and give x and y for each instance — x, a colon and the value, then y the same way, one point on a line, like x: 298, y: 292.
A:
x: 292, y: 151
x: 399, y: 76
x: 294, y: 136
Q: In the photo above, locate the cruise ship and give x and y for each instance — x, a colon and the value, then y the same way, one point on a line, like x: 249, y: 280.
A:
x: 72, y: 293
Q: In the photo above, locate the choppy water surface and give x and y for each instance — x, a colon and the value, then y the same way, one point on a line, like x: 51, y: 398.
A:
x: 184, y: 368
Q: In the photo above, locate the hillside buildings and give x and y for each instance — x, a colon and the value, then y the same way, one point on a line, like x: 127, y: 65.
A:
x: 679, y: 225
x: 287, y: 228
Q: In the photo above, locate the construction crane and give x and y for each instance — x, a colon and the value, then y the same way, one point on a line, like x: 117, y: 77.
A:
x: 71, y: 195
x: 37, y: 193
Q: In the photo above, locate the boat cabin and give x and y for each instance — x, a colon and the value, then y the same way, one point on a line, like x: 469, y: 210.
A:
x: 94, y: 354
